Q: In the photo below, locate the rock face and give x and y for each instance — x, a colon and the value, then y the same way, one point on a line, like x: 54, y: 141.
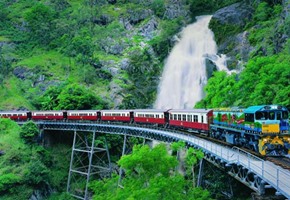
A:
x: 236, y: 46
x: 174, y: 9
x: 237, y: 14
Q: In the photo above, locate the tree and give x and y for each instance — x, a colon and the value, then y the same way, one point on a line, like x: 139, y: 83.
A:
x: 40, y: 22
x: 29, y: 132
x: 192, y: 157
x: 69, y: 97
x: 148, y: 175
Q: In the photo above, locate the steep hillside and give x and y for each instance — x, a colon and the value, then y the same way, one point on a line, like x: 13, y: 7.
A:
x: 113, y: 50
x: 255, y: 37
x: 55, y: 54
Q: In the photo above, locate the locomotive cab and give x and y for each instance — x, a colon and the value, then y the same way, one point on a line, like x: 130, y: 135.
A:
x: 271, y: 122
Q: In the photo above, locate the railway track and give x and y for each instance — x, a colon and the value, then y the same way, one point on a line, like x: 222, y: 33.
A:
x: 283, y: 162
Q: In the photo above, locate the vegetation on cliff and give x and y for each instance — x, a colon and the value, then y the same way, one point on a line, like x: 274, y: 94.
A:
x: 264, y: 79
x: 28, y: 169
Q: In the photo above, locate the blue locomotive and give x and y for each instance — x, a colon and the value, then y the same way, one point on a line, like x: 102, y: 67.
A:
x: 264, y: 129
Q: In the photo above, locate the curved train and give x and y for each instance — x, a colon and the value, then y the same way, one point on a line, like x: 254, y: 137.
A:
x: 264, y: 129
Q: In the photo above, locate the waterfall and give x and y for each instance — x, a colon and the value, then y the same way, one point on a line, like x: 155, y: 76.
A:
x: 184, y: 74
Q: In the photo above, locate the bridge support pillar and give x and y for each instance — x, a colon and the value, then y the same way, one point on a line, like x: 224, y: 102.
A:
x: 87, y: 160
x: 200, y: 173
x: 127, y: 148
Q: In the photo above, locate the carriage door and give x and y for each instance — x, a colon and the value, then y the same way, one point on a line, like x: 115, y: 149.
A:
x: 166, y: 117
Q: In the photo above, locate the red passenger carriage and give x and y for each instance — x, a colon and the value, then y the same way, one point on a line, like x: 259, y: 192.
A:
x: 150, y: 116
x: 14, y: 115
x: 195, y: 119
x: 47, y: 115
x: 116, y: 115
x: 82, y: 115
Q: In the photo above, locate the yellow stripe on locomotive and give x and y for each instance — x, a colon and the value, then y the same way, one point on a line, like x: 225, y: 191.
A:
x: 270, y: 128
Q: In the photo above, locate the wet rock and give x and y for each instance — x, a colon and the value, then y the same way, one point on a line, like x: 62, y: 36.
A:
x: 237, y: 14
x: 115, y: 94
x: 136, y: 16
x: 22, y: 72
x: 103, y: 20
x: 112, y: 46
x: 175, y: 9
x: 149, y: 28
x: 112, y: 1
x: 124, y: 64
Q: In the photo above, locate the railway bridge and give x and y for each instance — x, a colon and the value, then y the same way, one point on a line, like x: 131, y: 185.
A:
x: 254, y: 172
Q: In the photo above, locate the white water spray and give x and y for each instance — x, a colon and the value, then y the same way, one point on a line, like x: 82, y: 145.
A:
x: 184, y: 74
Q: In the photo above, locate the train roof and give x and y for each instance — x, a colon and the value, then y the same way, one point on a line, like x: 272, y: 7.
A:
x: 47, y: 111
x: 151, y: 110
x: 82, y: 111
x: 190, y: 110
x: 14, y: 111
x: 116, y: 111
x: 253, y: 109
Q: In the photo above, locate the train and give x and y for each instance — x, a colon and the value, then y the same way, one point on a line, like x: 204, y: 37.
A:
x: 263, y: 128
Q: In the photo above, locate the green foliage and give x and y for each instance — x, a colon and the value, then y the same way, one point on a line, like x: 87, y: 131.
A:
x: 29, y: 132
x: 8, y: 180
x: 69, y: 97
x: 158, y: 7
x: 148, y: 176
x: 61, y: 196
x: 193, y: 156
x: 40, y: 23
x: 266, y: 32
x: 200, y: 7
x: 140, y: 162
x: 223, y: 31
x: 36, y: 173
x: 265, y: 80
x: 176, y: 146
x: 161, y: 43
x: 220, y: 91
x: 143, y: 71
x: 263, y: 12
x: 25, y: 167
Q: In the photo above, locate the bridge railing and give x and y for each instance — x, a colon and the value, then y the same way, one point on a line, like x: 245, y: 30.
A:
x: 270, y: 173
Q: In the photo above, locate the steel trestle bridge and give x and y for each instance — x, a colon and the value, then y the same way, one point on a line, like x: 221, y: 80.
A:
x: 254, y: 172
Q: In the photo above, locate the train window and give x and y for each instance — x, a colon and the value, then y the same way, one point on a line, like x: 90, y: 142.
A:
x: 279, y: 115
x: 179, y: 117
x: 201, y: 119
x: 195, y: 118
x: 189, y: 118
x: 249, y: 117
x: 175, y: 116
x: 157, y: 116
x: 14, y: 114
x: 183, y: 117
x: 285, y: 115
x: 261, y: 115
x: 271, y: 115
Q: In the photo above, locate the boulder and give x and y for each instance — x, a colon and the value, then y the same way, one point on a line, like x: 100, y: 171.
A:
x: 149, y: 28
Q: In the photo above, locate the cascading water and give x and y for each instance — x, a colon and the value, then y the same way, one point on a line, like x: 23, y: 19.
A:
x: 184, y: 74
